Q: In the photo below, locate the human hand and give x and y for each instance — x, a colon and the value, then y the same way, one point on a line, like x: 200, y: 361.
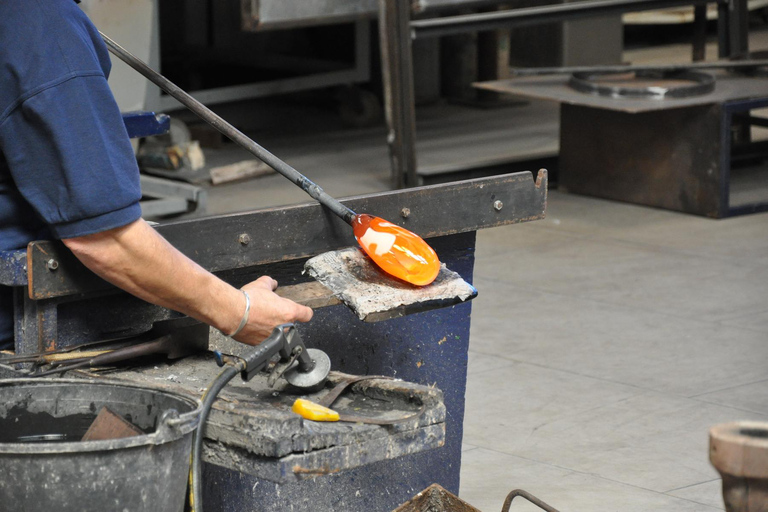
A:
x: 268, y: 310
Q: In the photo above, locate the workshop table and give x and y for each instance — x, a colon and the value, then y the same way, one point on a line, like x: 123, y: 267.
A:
x: 59, y: 303
x: 672, y: 153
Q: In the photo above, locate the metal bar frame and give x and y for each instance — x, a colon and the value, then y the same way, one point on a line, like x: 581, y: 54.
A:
x: 360, y: 72
x: 449, y: 25
x: 699, y: 32
x: 732, y: 25
x: 728, y: 111
x: 169, y: 197
x: 397, y: 72
x: 46, y: 276
x: 401, y: 116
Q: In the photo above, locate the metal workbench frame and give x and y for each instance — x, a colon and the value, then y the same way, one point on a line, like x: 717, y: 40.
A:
x: 58, y: 301
x: 728, y: 111
x: 56, y: 294
x: 360, y: 72
x: 397, y: 30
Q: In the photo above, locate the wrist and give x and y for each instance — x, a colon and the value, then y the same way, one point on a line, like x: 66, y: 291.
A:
x: 242, y: 320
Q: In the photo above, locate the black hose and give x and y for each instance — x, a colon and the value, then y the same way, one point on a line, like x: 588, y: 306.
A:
x: 196, y: 460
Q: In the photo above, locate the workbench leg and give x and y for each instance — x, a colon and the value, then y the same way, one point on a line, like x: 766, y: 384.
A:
x: 733, y: 29
x: 699, y: 32
x: 493, y: 59
x: 397, y: 75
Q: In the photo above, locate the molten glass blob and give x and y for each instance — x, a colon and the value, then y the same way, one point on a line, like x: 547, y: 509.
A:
x: 396, y: 250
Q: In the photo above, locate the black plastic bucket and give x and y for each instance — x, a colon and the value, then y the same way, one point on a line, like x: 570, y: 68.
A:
x: 44, y: 467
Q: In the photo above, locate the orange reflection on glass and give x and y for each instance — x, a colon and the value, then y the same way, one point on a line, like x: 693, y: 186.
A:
x: 396, y: 250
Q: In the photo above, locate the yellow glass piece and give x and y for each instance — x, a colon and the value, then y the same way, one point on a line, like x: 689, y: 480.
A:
x: 312, y: 411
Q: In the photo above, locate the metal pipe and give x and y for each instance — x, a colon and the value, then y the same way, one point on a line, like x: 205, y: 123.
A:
x: 623, y: 68
x: 699, y: 33
x: 436, y: 27
x: 231, y: 132
x: 399, y: 103
x: 526, y: 495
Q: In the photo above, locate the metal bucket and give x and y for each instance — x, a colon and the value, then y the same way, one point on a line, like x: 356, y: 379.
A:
x: 46, y: 467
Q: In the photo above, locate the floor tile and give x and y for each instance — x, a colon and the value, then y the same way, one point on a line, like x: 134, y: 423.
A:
x: 749, y: 397
x: 755, y: 321
x: 637, y: 276
x: 679, y: 232
x: 621, y: 344
x: 707, y: 493
x: 529, y: 237
x: 647, y: 440
x: 520, y: 398
x: 589, y: 216
x: 488, y: 476
x: 479, y: 363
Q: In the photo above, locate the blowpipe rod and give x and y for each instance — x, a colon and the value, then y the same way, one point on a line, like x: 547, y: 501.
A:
x: 231, y: 132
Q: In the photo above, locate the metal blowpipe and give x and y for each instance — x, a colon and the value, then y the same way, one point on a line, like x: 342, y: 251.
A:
x: 394, y: 249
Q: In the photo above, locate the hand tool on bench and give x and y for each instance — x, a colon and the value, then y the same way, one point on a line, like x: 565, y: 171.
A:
x: 71, y: 352
x: 169, y: 338
x: 395, y: 250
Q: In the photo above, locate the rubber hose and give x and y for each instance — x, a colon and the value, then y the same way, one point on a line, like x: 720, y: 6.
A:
x: 196, y: 459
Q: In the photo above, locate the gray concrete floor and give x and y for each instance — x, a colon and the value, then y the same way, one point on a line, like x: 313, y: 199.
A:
x: 606, y: 339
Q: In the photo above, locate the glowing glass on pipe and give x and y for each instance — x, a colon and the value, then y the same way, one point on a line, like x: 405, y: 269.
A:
x: 396, y: 250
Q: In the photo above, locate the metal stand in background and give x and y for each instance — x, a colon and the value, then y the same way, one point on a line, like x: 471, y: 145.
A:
x: 160, y: 196
x: 732, y: 29
x: 396, y: 30
x: 699, y: 32
x: 397, y: 71
x: 733, y: 42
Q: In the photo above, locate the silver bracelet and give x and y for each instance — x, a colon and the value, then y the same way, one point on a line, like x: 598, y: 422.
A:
x: 245, y: 315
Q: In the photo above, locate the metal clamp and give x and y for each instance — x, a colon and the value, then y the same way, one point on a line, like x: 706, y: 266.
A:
x: 301, y: 367
x: 284, y: 340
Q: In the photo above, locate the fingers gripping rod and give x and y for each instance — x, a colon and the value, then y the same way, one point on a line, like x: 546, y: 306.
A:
x: 231, y: 132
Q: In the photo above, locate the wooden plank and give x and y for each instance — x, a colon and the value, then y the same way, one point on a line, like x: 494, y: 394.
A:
x: 239, y: 171
x: 313, y: 295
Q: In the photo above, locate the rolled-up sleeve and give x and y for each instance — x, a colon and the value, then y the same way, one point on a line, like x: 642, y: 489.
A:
x: 70, y: 156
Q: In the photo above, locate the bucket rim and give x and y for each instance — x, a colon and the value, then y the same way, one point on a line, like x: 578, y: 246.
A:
x: 168, y: 430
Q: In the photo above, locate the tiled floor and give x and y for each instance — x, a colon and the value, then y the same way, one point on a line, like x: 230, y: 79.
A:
x: 606, y: 340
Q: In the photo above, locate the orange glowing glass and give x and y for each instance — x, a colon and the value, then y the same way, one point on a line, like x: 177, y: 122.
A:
x: 396, y: 250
